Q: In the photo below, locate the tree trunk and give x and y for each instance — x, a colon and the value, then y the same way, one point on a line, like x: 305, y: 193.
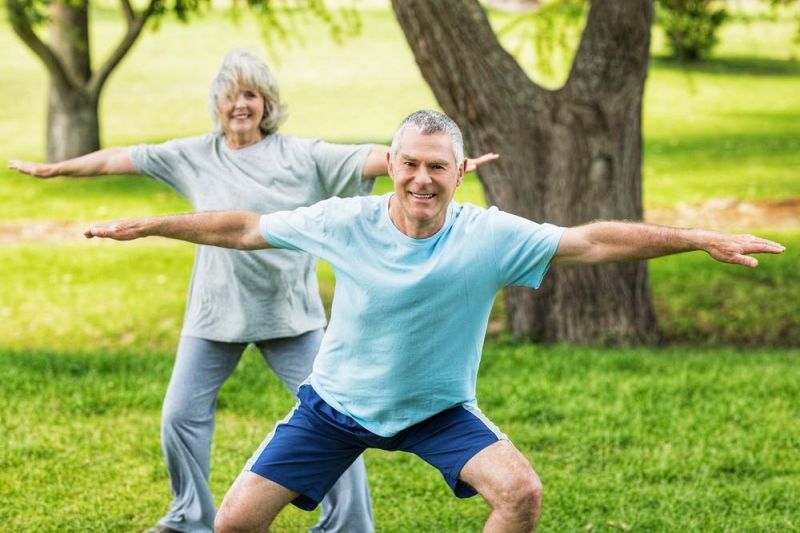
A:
x: 567, y: 156
x: 73, y: 127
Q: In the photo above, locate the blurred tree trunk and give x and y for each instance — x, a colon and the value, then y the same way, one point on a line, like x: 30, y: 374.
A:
x: 567, y: 156
x: 73, y: 127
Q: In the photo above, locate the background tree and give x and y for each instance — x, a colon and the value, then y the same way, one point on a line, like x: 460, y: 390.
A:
x: 73, y: 126
x: 75, y: 86
x: 691, y: 26
x: 568, y: 156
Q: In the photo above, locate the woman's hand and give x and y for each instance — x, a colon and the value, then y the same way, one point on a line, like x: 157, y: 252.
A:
x: 473, y: 164
x: 40, y: 170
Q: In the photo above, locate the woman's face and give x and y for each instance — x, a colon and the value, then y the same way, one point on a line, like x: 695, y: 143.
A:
x: 241, y: 112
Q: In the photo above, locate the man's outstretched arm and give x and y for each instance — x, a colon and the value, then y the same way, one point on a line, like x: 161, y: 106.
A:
x: 605, y: 242
x: 226, y: 229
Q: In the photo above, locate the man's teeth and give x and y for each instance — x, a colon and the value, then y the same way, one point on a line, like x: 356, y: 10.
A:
x: 422, y: 196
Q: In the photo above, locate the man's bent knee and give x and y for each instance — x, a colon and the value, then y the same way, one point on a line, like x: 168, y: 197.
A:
x: 251, y: 504
x: 231, y: 519
x: 226, y: 521
x: 522, y: 493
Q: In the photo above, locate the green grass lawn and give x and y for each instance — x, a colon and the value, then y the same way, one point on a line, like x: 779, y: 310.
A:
x: 646, y: 440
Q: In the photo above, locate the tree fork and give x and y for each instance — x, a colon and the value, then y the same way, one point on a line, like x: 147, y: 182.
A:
x: 567, y: 156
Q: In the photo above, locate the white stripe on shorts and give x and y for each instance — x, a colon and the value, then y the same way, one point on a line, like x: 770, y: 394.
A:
x: 488, y: 423
x: 267, y: 440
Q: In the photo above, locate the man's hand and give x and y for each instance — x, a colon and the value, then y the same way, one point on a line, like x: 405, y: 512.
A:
x: 736, y: 249
x: 473, y: 164
x: 40, y: 170
x: 121, y: 230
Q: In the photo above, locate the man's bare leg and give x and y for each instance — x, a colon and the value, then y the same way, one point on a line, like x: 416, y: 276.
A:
x: 251, y: 504
x: 506, y: 480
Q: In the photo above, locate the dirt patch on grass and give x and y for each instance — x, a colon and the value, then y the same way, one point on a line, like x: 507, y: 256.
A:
x: 41, y: 231
x: 726, y: 214
x: 717, y: 214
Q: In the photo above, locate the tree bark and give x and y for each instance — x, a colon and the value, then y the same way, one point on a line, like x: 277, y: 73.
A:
x: 73, y: 127
x: 567, y: 156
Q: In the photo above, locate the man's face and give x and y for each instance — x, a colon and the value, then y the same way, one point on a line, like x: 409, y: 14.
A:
x: 425, y: 175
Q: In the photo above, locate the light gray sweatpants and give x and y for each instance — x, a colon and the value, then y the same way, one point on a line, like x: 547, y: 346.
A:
x: 187, y: 425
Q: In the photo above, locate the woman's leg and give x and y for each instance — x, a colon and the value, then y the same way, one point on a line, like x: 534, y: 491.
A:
x: 187, y: 427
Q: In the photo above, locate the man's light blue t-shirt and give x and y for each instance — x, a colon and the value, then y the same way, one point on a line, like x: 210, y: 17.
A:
x: 409, y: 315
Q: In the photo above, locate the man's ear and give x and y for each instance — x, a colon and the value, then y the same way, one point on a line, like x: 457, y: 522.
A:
x: 462, y: 169
x: 389, y: 166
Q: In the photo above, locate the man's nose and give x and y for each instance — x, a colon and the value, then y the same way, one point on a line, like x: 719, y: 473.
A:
x: 422, y: 175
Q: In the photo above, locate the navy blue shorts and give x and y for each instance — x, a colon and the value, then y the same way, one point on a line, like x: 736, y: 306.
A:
x: 315, y: 444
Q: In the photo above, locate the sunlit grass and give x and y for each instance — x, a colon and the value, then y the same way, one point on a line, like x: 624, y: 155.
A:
x: 658, y: 440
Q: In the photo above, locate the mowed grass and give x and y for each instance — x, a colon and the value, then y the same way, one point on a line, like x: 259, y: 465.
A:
x: 645, y: 440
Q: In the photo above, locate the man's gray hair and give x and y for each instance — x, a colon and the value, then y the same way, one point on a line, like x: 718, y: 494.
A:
x: 427, y: 122
x: 240, y: 68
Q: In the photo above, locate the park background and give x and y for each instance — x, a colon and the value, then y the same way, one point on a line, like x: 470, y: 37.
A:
x: 700, y: 434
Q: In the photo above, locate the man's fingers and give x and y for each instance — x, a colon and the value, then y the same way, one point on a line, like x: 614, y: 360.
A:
x: 19, y: 166
x: 763, y: 246
x: 100, y: 231
x: 91, y: 232
x: 746, y: 260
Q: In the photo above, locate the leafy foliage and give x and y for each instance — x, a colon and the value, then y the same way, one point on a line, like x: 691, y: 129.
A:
x: 691, y: 26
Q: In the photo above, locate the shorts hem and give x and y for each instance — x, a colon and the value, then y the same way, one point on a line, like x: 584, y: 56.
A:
x: 302, y: 501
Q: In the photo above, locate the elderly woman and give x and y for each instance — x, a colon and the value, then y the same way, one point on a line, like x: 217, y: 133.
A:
x: 270, y: 299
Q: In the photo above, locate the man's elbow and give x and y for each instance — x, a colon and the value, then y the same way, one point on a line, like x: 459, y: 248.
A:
x: 251, y: 241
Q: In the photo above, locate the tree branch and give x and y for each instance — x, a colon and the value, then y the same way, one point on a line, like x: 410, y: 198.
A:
x: 452, y: 76
x: 135, y: 26
x: 602, y: 65
x: 21, y: 24
x: 128, y: 10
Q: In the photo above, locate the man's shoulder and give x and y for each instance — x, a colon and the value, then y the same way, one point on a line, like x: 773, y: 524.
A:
x: 351, y: 205
x: 468, y: 213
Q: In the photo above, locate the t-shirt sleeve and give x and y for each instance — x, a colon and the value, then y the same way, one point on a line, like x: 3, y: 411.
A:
x: 301, y: 229
x: 523, y: 249
x: 340, y: 168
x: 162, y: 162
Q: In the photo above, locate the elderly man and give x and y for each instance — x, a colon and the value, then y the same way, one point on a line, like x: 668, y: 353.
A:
x: 416, y: 277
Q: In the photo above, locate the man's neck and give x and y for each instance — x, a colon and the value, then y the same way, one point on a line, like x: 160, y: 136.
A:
x: 415, y: 229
